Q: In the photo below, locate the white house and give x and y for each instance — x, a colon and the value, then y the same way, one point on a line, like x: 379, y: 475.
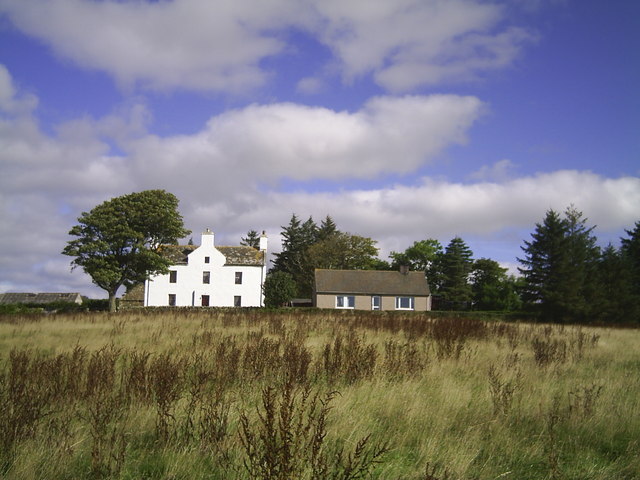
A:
x: 210, y: 276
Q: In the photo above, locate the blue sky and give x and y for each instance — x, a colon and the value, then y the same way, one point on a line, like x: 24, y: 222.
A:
x: 402, y: 120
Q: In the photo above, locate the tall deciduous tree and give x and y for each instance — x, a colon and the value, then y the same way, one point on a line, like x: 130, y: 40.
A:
x: 492, y: 288
x: 344, y: 251
x: 279, y: 288
x: 456, y: 264
x: 423, y: 255
x: 419, y: 256
x: 118, y: 241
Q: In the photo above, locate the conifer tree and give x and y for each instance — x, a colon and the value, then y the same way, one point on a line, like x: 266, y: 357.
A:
x: 251, y: 240
x: 327, y: 228
x: 456, y: 264
x: 297, y: 237
x: 613, y: 301
x: 630, y: 256
x: 559, y: 267
x: 630, y: 250
x: 545, y: 266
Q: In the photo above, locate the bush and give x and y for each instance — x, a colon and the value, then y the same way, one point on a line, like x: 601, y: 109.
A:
x: 279, y: 289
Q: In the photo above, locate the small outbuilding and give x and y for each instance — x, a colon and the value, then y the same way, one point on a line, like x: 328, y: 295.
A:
x: 39, y: 298
x: 371, y: 290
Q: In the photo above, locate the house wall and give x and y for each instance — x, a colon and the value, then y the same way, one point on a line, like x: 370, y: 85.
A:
x: 363, y: 302
x: 189, y: 287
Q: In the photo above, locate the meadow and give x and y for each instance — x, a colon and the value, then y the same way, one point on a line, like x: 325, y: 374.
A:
x: 308, y: 394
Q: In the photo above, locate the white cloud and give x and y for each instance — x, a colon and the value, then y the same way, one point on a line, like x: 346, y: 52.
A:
x: 11, y: 101
x: 499, y: 171
x: 409, y: 43
x: 219, y: 46
x: 266, y: 143
x: 310, y: 85
x: 501, y: 212
x: 192, y: 44
x: 226, y: 178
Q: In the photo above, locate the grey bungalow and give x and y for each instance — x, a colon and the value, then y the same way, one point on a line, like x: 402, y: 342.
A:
x: 371, y: 290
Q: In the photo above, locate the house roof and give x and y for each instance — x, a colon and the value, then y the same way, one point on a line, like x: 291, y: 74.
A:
x: 371, y: 282
x: 177, y: 254
x: 243, y: 255
x: 40, y: 297
x: 233, y: 255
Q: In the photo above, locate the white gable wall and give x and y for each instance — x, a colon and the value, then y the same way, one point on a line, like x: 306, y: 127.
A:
x: 189, y: 287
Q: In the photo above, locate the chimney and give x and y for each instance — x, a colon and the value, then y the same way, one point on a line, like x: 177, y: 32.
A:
x: 207, y: 238
x: 404, y: 269
x: 263, y: 241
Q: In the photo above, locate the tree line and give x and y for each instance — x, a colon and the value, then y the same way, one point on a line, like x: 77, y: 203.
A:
x: 457, y: 280
x: 564, y: 275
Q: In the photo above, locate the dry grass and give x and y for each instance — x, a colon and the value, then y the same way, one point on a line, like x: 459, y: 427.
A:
x: 307, y: 394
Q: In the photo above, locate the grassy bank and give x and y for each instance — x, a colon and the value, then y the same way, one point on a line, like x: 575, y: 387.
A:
x: 255, y: 394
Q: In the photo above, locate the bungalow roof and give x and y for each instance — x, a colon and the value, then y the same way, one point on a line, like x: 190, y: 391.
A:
x: 371, y: 282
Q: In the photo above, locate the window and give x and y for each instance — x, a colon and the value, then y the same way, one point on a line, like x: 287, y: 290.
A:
x: 237, y: 301
x: 172, y: 299
x: 238, y: 278
x: 206, y: 277
x: 206, y: 259
x: 344, y: 301
x: 376, y: 302
x: 404, y: 303
x: 173, y: 276
x: 205, y: 300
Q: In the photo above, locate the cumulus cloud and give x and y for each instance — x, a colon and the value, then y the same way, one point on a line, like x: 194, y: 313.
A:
x: 219, y: 46
x: 409, y: 43
x: 192, y: 44
x: 226, y: 177
x: 12, y: 101
x: 266, y: 143
x: 396, y: 216
x: 499, y: 171
x: 310, y: 85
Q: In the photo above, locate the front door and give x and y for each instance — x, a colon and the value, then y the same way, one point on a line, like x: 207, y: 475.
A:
x: 205, y: 300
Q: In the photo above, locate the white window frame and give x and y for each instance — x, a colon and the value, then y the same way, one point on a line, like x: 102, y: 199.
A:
x: 345, y: 301
x: 173, y: 276
x: 206, y: 277
x: 412, y: 303
x: 238, y: 278
x: 373, y: 302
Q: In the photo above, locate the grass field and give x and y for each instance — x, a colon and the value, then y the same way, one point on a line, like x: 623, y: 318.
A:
x: 240, y: 394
